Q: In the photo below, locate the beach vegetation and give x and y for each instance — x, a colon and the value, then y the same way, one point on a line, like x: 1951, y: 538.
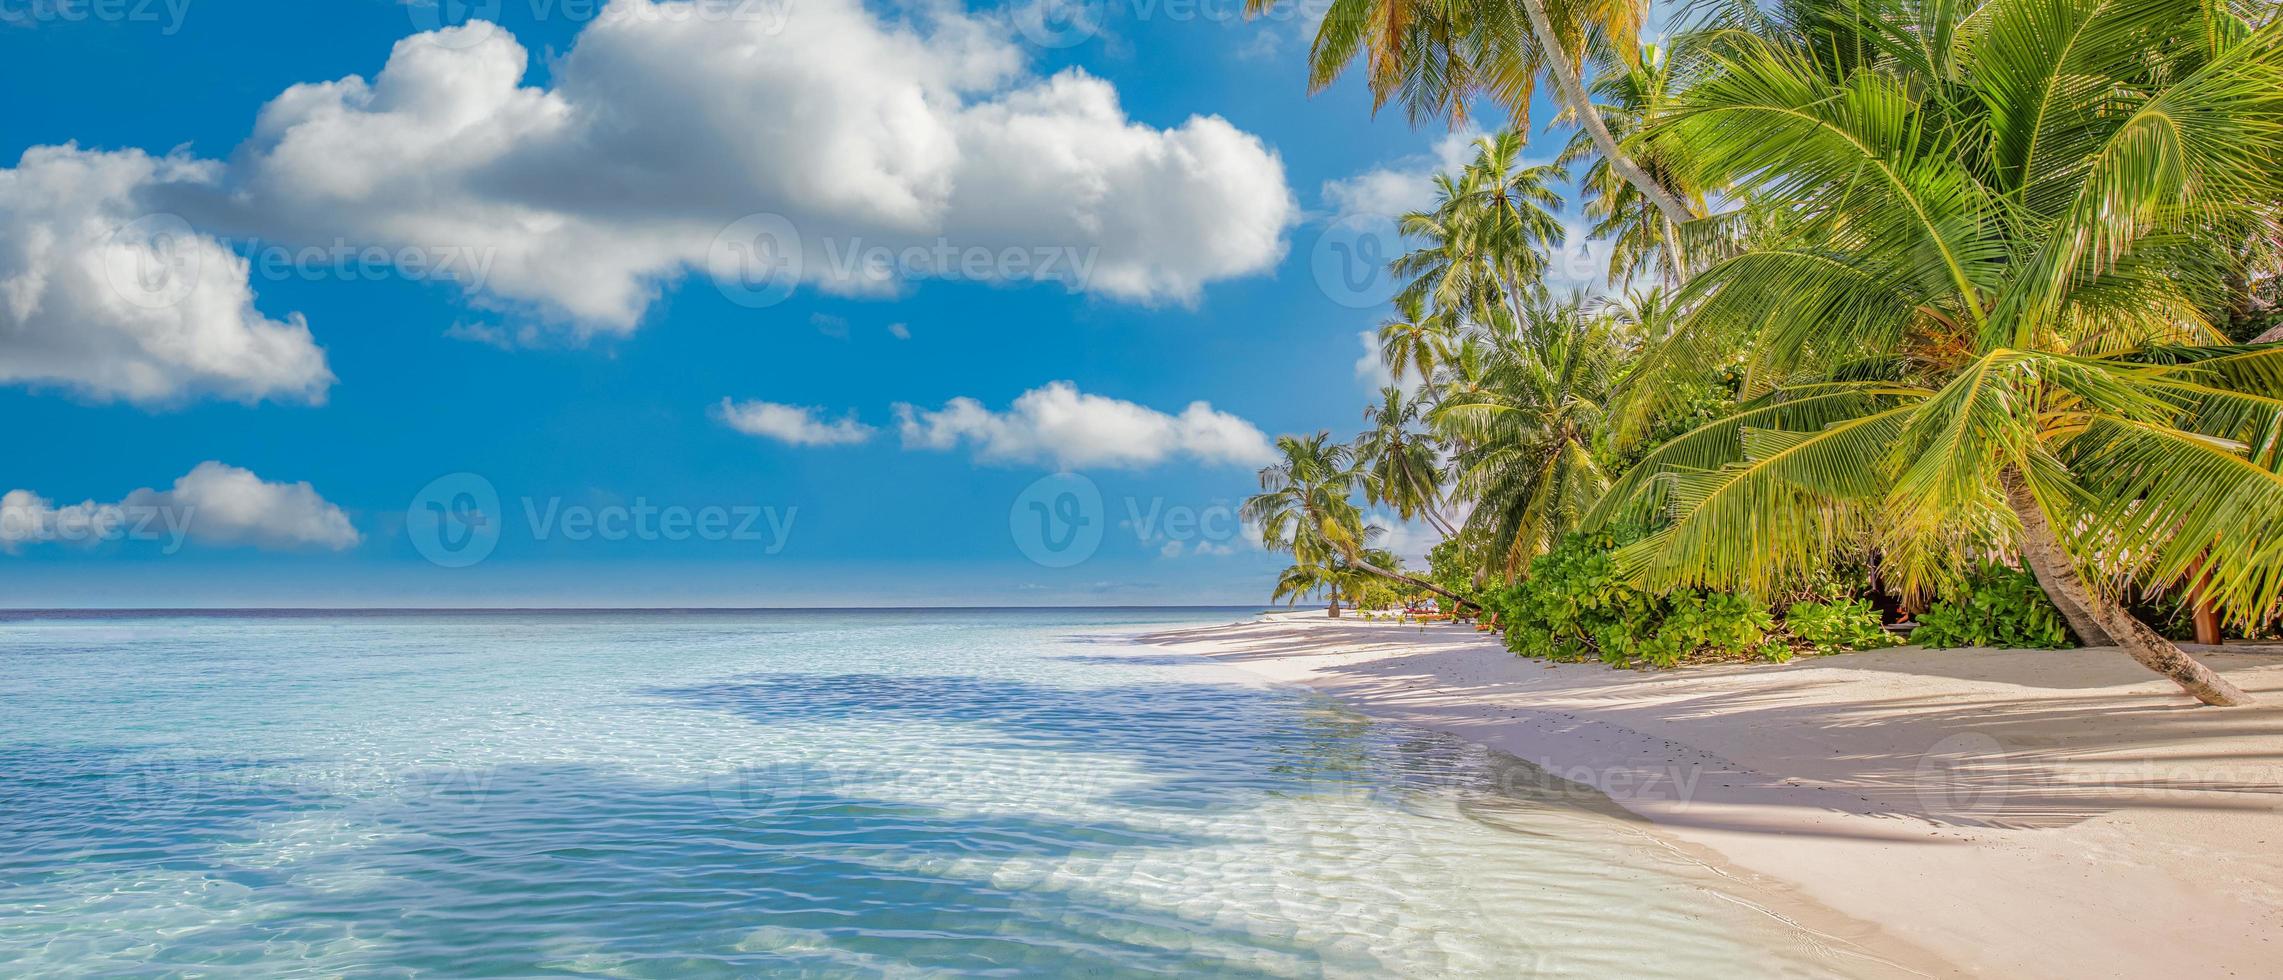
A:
x: 1979, y: 296
x: 1996, y: 606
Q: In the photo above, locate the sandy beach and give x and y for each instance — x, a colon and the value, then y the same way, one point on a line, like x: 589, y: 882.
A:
x: 2012, y: 813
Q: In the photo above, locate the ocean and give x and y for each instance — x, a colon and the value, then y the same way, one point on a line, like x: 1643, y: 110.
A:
x: 826, y: 793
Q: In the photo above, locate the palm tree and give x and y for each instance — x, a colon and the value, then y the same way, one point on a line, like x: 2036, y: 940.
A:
x: 1452, y: 271
x: 1515, y: 207
x: 1306, y: 507
x: 1643, y: 239
x: 1415, y: 341
x: 1401, y: 466
x: 1971, y: 328
x: 1527, y: 433
x: 1484, y: 243
x: 1438, y: 56
x: 1334, y: 580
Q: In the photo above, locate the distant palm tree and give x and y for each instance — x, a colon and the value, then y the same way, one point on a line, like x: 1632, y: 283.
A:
x: 1401, y: 465
x: 1484, y: 244
x: 1526, y: 433
x: 1306, y: 507
x: 1968, y: 330
x: 1515, y: 213
x: 1335, y: 580
x: 1414, y: 342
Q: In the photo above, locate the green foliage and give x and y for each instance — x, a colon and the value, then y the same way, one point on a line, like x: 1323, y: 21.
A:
x: 1575, y: 607
x: 1836, y: 625
x: 1996, y: 606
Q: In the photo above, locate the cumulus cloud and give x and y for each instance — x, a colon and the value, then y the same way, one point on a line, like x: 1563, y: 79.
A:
x: 215, y: 503
x: 873, y: 146
x: 104, y: 295
x: 793, y: 425
x: 1061, y: 426
x: 1408, y: 540
x: 1402, y: 187
x: 1371, y: 367
x: 919, y: 139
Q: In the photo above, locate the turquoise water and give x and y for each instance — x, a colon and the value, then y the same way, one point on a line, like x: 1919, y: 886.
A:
x: 829, y: 794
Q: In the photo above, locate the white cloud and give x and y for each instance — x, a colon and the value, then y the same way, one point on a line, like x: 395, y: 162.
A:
x: 1408, y: 540
x: 899, y: 331
x: 1060, y: 426
x: 214, y: 503
x: 659, y: 131
x: 793, y: 425
x: 1405, y: 186
x: 1371, y: 368
x: 103, y: 294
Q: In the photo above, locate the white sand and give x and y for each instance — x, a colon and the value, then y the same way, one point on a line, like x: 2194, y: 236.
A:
x: 2016, y: 813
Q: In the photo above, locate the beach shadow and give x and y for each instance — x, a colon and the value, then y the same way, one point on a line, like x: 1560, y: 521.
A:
x: 2099, y: 737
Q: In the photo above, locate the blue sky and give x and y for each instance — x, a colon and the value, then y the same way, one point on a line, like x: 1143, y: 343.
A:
x: 583, y: 373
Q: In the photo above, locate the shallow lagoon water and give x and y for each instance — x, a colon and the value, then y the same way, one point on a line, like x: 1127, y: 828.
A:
x: 1013, y: 793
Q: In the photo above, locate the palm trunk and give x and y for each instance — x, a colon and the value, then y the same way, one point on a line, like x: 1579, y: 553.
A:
x: 2041, y: 550
x: 1456, y: 599
x: 1574, y: 98
x: 2058, y: 575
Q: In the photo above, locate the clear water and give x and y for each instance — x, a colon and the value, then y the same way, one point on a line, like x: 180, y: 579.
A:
x: 829, y: 794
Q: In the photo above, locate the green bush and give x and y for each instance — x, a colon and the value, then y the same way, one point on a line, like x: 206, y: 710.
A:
x: 1997, y: 606
x: 1836, y: 625
x: 1575, y: 606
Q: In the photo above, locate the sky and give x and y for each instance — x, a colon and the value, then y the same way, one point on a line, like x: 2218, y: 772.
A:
x: 740, y: 303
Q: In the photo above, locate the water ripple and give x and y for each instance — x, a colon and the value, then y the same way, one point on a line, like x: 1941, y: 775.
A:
x: 820, y: 796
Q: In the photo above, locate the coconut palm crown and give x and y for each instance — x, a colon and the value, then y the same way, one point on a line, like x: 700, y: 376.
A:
x: 1970, y: 320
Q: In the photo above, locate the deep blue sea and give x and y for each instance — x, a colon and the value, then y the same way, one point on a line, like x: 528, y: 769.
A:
x: 871, y: 794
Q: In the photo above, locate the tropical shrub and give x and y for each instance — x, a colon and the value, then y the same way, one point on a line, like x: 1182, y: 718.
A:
x: 1836, y: 625
x: 1575, y: 606
x: 1996, y: 606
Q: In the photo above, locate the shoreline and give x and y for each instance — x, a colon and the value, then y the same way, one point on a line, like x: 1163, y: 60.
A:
x: 2004, y: 813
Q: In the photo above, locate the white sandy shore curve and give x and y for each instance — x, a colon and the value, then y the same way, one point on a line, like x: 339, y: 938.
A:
x: 2016, y: 813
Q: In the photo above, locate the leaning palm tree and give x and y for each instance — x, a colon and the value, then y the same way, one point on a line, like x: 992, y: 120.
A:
x: 1307, y: 507
x: 1335, y: 580
x: 1437, y: 57
x: 1643, y: 240
x: 1974, y: 328
x: 1527, y: 434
